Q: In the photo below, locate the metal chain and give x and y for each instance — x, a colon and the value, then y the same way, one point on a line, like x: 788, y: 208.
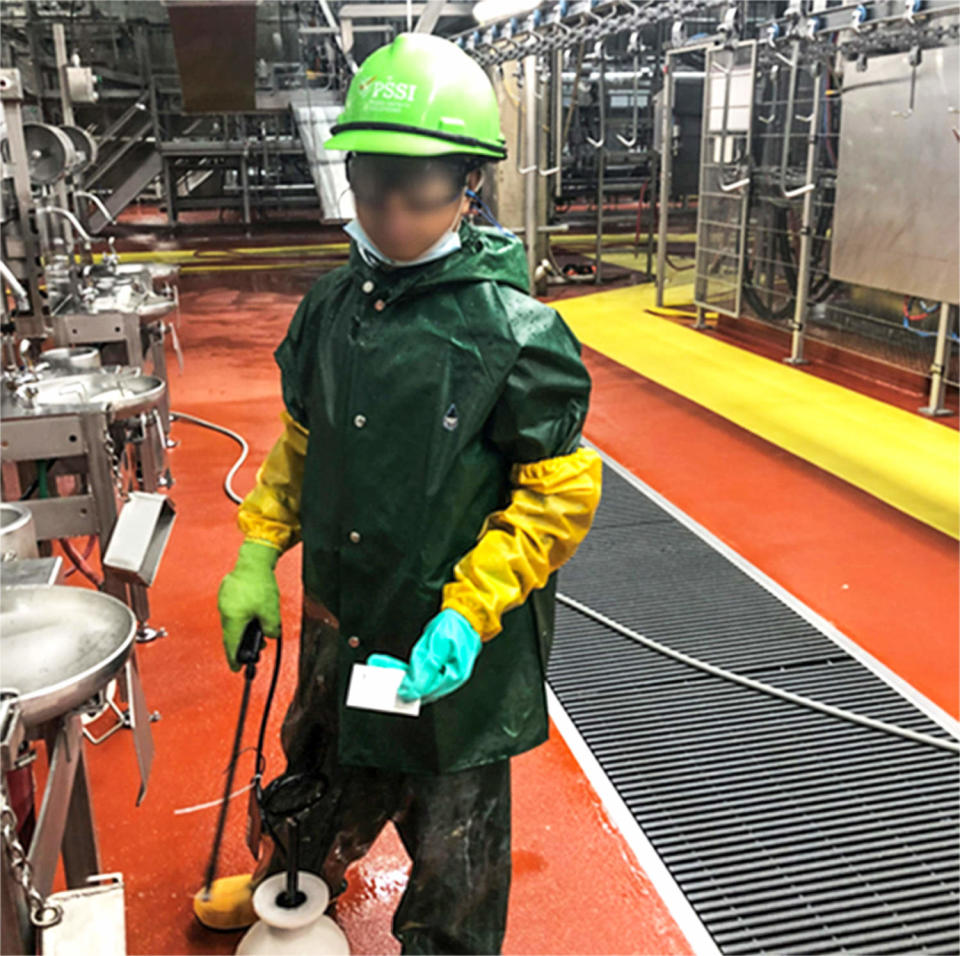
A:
x: 894, y: 39
x: 115, y: 466
x: 541, y: 41
x: 43, y: 914
x: 881, y: 38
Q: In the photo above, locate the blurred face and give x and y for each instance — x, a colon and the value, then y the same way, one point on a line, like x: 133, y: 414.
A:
x: 405, y: 203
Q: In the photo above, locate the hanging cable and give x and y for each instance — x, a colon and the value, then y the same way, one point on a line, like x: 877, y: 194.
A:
x: 485, y: 211
x: 77, y: 561
x: 87, y: 551
x: 925, y: 310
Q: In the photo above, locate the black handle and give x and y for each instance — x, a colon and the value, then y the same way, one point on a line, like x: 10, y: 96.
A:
x: 251, y: 644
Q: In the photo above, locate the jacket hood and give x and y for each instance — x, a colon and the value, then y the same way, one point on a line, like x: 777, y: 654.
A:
x: 485, y: 254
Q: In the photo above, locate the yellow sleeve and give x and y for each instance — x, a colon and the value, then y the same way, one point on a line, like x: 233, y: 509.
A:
x: 552, y: 504
x: 270, y: 514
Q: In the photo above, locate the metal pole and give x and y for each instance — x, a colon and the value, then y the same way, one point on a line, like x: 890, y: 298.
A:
x: 245, y: 186
x: 655, y: 192
x: 32, y: 325
x: 81, y: 856
x: 531, y: 178
x: 169, y: 189
x: 938, y: 383
x: 655, y: 198
x: 34, y: 40
x: 155, y: 113
x: 60, y: 52
x: 557, y: 121
x: 292, y: 891
x: 666, y: 171
x: 806, y: 228
x: 601, y: 159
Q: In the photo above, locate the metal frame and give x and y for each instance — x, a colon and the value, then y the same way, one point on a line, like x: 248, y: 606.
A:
x: 80, y: 436
x: 936, y: 408
x: 128, y: 329
x: 666, y: 171
x: 24, y: 247
x: 808, y: 190
x: 65, y: 821
x: 706, y: 139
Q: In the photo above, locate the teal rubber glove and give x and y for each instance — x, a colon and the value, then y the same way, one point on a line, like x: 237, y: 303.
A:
x: 249, y: 591
x: 441, y: 661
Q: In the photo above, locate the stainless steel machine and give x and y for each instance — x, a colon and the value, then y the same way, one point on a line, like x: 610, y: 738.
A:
x: 84, y: 411
x: 61, y: 646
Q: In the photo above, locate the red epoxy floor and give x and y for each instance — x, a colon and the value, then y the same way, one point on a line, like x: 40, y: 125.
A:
x: 885, y: 580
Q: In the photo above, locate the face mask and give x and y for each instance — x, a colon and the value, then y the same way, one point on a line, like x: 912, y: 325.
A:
x: 447, y: 243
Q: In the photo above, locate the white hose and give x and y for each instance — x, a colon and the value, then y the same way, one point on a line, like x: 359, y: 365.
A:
x: 951, y: 745
x: 70, y: 217
x: 98, y: 202
x: 239, y: 439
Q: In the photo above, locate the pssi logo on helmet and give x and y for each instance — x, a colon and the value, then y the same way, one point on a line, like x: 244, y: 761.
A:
x: 388, y: 89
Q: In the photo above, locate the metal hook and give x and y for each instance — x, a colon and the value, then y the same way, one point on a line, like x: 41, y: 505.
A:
x: 634, y: 135
x: 598, y: 51
x: 541, y: 73
x: 731, y: 187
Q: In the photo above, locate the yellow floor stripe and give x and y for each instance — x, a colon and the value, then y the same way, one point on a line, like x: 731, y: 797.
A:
x: 618, y: 237
x: 630, y: 261
x: 204, y: 255
x: 191, y: 255
x: 251, y: 266
x: 901, y: 458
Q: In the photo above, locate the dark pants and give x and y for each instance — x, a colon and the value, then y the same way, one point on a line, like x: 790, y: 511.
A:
x: 455, y: 827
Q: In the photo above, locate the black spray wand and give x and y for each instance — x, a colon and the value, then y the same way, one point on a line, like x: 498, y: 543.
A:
x: 248, y: 654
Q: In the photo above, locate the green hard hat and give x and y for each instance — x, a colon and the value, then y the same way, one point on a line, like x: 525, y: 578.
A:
x: 420, y: 95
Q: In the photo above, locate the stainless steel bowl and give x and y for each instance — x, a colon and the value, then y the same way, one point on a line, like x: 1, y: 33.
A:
x: 124, y: 395
x: 18, y: 533
x: 72, y: 358
x: 60, y: 645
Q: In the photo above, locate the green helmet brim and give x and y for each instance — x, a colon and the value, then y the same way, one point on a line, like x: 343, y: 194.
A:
x: 403, y: 144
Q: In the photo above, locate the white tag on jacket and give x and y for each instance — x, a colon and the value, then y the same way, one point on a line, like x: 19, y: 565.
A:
x: 375, y: 688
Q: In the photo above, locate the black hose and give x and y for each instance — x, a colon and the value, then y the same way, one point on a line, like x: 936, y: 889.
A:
x: 80, y: 564
x: 260, y: 763
x: 820, y: 289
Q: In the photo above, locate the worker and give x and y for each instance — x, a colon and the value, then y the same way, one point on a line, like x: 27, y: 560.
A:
x: 431, y: 464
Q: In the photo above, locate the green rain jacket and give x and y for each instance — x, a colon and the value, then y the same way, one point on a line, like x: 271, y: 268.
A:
x: 420, y: 387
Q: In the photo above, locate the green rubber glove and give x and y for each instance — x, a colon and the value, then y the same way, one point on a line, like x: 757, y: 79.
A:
x: 441, y: 661
x: 249, y: 591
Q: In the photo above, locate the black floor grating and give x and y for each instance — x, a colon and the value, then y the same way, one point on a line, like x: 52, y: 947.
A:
x: 789, y: 830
